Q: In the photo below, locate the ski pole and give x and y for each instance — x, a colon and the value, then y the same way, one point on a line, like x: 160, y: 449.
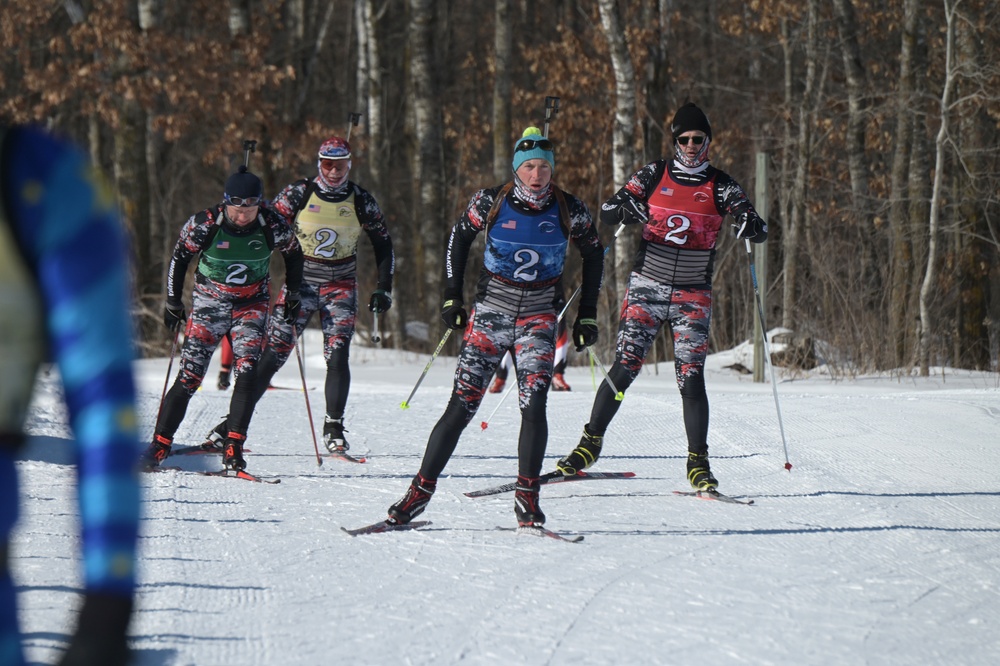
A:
x: 352, y: 122
x: 166, y: 380
x: 376, y: 336
x: 305, y: 392
x: 249, y: 146
x: 619, y: 396
x: 551, y: 109
x: 444, y: 339
x: 767, y: 352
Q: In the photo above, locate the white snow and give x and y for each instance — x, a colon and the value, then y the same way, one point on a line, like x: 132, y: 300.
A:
x: 880, y: 546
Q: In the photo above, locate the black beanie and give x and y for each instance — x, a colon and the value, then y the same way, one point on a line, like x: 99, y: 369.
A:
x: 689, y: 117
x: 243, y: 184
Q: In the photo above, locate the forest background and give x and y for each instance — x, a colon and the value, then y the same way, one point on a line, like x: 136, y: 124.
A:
x: 876, y: 123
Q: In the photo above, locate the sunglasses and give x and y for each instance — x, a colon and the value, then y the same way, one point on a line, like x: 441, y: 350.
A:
x: 696, y: 140
x: 243, y: 202
x: 529, y: 144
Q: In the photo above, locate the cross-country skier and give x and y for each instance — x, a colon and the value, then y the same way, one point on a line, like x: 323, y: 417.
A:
x: 234, y: 241
x: 329, y: 213
x: 64, y: 298
x: 528, y: 224
x: 680, y: 204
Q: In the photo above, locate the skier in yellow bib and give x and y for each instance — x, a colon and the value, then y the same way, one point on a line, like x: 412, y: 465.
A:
x: 328, y: 213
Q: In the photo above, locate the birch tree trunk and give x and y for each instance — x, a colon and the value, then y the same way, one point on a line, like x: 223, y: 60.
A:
x: 131, y: 178
x: 797, y: 205
x: 926, y: 288
x: 375, y: 121
x: 503, y: 136
x: 901, y: 269
x: 426, y: 166
x: 623, y: 153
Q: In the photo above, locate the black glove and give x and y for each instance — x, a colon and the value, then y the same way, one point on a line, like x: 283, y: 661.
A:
x: 453, y: 313
x: 100, y: 634
x: 633, y: 211
x: 751, y: 228
x: 380, y: 302
x: 584, y: 332
x: 293, y: 305
x: 173, y: 316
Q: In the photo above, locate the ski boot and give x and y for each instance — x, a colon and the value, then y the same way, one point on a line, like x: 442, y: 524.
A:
x: 216, y: 436
x: 333, y: 435
x: 559, y: 382
x: 156, y: 453
x: 413, y: 502
x: 526, y: 508
x: 699, y: 473
x: 583, y: 456
x: 232, y: 452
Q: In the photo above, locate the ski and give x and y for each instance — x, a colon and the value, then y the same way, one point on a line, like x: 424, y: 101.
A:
x: 540, y: 531
x: 196, y: 449
x: 713, y: 495
x: 383, y: 526
x: 346, y: 457
x: 551, y: 477
x: 160, y: 468
x: 234, y: 474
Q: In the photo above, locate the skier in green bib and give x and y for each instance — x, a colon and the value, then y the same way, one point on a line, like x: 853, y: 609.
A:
x: 231, y: 295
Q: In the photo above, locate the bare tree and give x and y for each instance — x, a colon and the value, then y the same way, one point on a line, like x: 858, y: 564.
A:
x: 426, y: 163
x: 623, y: 152
x: 902, y: 251
x: 503, y: 44
x: 803, y: 156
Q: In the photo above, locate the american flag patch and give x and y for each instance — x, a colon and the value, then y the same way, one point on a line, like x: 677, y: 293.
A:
x: 313, y: 208
x: 509, y: 224
x: 222, y: 245
x: 667, y: 191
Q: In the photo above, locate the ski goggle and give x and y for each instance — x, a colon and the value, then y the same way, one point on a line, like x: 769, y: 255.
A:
x: 243, y: 202
x: 696, y: 140
x: 531, y: 144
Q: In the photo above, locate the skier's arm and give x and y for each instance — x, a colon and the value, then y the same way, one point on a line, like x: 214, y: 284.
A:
x: 731, y: 198
x: 583, y: 232
x: 373, y: 222
x: 628, y: 205
x: 460, y: 242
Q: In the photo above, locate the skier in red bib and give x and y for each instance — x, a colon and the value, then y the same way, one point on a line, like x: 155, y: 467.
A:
x: 680, y: 204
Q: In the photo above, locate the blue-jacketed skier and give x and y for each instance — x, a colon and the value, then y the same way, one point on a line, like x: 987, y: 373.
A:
x: 528, y: 224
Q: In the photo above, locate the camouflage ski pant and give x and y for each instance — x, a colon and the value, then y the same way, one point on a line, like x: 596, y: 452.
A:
x: 337, y: 305
x: 648, y: 305
x: 210, y: 320
x: 488, y: 335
